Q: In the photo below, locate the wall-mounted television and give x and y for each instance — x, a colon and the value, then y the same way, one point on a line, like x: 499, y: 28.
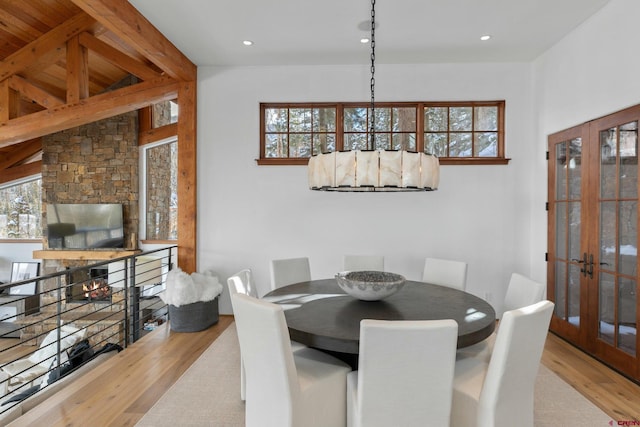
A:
x: 85, y: 226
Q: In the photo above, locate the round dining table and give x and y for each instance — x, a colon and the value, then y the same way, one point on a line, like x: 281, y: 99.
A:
x: 320, y: 315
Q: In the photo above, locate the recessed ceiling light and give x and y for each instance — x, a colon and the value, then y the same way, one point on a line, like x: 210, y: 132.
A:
x: 247, y: 42
x: 485, y: 37
x: 364, y: 40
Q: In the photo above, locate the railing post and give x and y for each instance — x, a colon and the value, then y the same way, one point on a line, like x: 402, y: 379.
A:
x: 135, y: 302
x: 58, y: 320
x: 127, y: 327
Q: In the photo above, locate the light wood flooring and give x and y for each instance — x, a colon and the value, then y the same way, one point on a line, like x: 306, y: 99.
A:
x: 122, y: 389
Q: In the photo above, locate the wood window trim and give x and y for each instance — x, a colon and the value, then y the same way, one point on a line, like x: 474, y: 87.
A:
x: 500, y: 159
x: 443, y: 161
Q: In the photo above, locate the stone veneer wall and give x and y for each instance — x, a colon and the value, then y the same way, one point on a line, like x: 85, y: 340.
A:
x: 94, y: 163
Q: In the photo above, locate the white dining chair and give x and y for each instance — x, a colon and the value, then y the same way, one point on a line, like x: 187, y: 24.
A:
x: 521, y: 292
x: 363, y: 263
x: 242, y: 283
x: 500, y: 393
x: 405, y: 374
x: 288, y: 271
x: 286, y: 389
x: 444, y: 272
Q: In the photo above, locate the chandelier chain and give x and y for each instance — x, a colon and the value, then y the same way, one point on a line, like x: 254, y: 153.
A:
x: 372, y: 130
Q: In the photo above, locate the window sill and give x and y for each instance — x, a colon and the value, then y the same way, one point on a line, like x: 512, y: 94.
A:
x: 20, y: 240
x: 474, y: 161
x: 302, y: 161
x: 443, y: 161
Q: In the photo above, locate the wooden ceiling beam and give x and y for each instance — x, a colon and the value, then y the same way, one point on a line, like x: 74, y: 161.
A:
x: 9, y: 102
x: 56, y: 56
x: 117, y: 58
x: 20, y: 152
x: 77, y: 71
x: 124, y: 20
x: 45, y: 44
x: 157, y: 134
x: 89, y: 110
x: 34, y: 93
x: 21, y: 171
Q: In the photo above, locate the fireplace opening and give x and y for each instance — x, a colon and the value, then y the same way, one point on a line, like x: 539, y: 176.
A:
x: 89, y: 286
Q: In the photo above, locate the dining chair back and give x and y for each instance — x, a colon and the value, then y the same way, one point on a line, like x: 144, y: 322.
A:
x: 288, y: 271
x: 444, y: 272
x: 242, y: 282
x: 500, y: 393
x: 285, y: 389
x: 363, y: 263
x: 521, y: 292
x: 405, y: 374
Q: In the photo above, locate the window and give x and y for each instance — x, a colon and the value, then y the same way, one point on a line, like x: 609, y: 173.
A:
x: 161, y: 190
x: 457, y: 132
x: 294, y: 132
x: 395, y: 128
x: 164, y: 113
x: 21, y: 210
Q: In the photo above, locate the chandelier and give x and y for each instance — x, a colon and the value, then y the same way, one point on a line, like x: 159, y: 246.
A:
x: 373, y: 170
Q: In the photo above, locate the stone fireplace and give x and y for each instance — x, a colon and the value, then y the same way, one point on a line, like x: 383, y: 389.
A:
x: 93, y: 163
x: 90, y: 285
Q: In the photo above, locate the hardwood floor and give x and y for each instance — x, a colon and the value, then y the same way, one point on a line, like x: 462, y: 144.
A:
x: 617, y: 396
x: 122, y: 389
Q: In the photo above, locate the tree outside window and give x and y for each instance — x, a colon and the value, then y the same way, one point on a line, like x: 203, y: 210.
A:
x: 21, y: 210
x: 460, y: 132
x: 162, y: 192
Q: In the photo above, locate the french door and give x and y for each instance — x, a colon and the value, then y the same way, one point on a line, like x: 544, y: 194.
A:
x: 593, y: 238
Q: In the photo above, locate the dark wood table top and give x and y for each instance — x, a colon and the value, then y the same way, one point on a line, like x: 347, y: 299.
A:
x: 320, y: 315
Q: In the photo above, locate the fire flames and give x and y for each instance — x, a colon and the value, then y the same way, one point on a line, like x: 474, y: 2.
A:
x: 96, y: 290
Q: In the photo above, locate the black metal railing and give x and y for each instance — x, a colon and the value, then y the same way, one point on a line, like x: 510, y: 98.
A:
x: 75, y: 315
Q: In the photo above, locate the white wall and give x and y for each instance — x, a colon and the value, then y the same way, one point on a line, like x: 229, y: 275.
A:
x: 491, y: 216
x: 590, y: 73
x: 15, y: 252
x: 249, y: 214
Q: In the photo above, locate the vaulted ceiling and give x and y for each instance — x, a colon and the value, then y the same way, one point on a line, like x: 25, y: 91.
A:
x: 58, y: 57
x: 295, y: 32
x: 58, y: 60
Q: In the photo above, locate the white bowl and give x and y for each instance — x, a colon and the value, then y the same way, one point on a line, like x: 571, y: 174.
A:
x: 370, y: 285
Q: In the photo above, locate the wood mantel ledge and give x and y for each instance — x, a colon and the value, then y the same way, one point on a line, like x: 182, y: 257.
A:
x: 83, y: 255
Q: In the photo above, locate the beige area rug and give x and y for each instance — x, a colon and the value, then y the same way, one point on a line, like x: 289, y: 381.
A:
x: 208, y: 394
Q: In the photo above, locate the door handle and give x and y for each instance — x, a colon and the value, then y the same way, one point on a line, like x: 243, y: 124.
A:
x: 583, y: 269
x: 587, y: 268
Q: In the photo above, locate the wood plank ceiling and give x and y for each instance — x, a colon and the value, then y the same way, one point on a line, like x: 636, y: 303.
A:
x: 58, y: 62
x: 61, y: 54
